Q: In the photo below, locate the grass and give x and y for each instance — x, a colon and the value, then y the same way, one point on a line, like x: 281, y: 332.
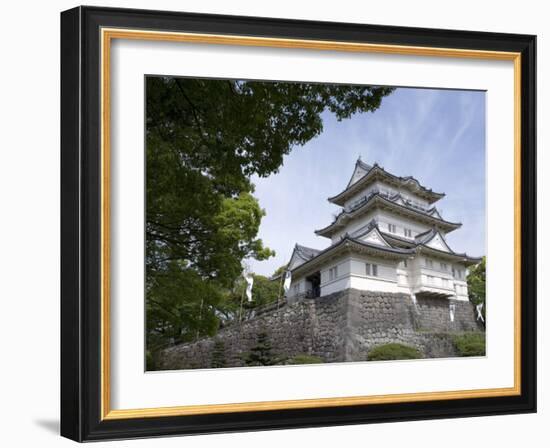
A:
x: 393, y: 351
x: 304, y: 359
x: 470, y: 344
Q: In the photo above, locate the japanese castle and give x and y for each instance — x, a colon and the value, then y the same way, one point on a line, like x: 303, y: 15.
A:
x: 388, y: 237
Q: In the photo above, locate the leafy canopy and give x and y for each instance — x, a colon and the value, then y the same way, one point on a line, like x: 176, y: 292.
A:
x: 204, y: 140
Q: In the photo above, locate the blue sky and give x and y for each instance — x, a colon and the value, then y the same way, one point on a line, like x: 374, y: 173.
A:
x: 437, y: 136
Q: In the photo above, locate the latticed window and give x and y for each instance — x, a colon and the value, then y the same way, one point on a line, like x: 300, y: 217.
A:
x: 371, y: 269
x: 333, y: 273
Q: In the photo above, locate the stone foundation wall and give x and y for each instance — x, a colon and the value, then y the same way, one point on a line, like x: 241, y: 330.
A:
x: 434, y: 315
x: 288, y: 330
x: 338, y: 327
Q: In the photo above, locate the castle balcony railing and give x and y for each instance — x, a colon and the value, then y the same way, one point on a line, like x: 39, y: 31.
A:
x: 309, y: 294
x: 359, y: 202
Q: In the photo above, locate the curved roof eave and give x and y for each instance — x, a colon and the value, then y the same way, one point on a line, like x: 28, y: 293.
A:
x: 324, y: 231
x: 400, y: 240
x: 396, y: 252
x: 465, y: 258
x: 431, y: 196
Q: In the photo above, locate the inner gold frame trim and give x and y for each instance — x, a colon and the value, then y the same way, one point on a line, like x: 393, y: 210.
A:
x: 107, y: 35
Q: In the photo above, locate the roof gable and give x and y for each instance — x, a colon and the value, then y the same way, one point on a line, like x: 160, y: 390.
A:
x: 436, y: 241
x: 300, y: 255
x: 374, y: 237
x: 434, y: 212
x: 361, y: 169
x: 364, y: 173
x: 295, y: 260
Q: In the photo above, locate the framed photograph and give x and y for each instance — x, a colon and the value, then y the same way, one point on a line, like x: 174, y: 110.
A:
x: 273, y: 223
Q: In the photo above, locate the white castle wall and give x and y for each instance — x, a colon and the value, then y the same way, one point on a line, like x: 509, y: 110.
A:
x: 392, y: 276
x: 383, y: 218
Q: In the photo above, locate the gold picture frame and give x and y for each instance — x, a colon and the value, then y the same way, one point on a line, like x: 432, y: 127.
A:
x: 106, y: 31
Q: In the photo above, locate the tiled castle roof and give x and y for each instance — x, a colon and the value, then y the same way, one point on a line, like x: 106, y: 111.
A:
x: 306, y: 253
x: 371, y: 173
x: 356, y: 244
x: 412, y: 247
x: 379, y: 198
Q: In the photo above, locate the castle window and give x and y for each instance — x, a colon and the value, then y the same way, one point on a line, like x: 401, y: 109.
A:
x: 408, y: 233
x: 443, y: 266
x: 429, y: 263
x: 371, y: 269
x: 333, y: 273
x: 391, y: 228
x: 458, y: 273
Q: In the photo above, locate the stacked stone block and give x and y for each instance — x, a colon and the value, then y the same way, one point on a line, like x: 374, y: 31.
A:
x: 338, y: 327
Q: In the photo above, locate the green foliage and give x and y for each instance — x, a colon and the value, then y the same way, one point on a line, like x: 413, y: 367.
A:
x: 476, y: 285
x: 280, y: 270
x: 181, y: 306
x: 393, y: 351
x: 231, y: 129
x: 305, y: 359
x: 261, y: 354
x: 218, y: 354
x: 470, y: 344
x: 204, y: 140
x: 264, y: 291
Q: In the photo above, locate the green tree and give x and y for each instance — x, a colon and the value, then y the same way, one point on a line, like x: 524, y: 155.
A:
x: 204, y: 140
x: 261, y: 354
x: 280, y: 270
x: 476, y: 284
x: 264, y: 292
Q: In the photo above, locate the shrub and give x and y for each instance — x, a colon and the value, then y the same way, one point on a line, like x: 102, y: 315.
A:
x: 393, y: 351
x: 305, y: 359
x: 261, y: 354
x: 470, y: 344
